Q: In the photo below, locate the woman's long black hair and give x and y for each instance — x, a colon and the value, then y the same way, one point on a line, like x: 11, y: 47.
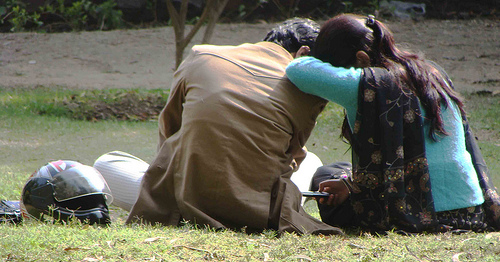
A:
x: 341, y: 37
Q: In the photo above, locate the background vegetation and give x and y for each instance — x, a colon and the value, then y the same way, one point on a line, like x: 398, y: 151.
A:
x: 76, y: 15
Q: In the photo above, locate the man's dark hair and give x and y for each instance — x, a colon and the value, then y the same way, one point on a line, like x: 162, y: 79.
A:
x: 294, y: 33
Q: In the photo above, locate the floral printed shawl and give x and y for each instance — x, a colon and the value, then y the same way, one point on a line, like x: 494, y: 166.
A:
x: 391, y: 176
x: 391, y: 184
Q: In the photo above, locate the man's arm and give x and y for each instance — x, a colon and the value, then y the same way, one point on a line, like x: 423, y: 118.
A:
x: 170, y: 119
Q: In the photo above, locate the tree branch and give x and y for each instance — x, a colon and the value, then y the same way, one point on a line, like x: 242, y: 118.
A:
x: 200, y: 22
x: 212, y: 20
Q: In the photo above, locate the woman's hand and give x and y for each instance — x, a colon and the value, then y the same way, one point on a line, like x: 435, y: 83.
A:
x: 337, y: 189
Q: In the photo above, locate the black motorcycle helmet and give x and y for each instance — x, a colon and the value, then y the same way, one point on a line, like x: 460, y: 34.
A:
x: 65, y: 189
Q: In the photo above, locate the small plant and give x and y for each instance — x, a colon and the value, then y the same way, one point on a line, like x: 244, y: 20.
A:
x: 6, y: 8
x: 77, y: 14
x: 108, y: 17
x: 21, y: 19
x: 80, y: 15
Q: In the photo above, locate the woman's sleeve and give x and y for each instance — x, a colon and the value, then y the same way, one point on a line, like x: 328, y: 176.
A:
x: 336, y: 84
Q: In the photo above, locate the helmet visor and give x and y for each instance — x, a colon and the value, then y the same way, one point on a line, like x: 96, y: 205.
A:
x: 80, y: 181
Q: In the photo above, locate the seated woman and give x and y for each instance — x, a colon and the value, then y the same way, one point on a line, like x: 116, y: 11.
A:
x: 416, y: 166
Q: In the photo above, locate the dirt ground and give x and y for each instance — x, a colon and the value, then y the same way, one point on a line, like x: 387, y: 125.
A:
x: 467, y: 49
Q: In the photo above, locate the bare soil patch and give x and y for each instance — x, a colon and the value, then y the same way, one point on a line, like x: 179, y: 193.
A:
x: 467, y: 49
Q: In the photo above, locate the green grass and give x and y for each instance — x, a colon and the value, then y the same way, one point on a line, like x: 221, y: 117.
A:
x: 35, y: 241
x: 92, y: 105
x: 35, y: 129
x: 484, y: 118
x: 28, y: 140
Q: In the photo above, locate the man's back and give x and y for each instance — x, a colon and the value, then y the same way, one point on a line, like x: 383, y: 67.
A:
x: 229, y: 134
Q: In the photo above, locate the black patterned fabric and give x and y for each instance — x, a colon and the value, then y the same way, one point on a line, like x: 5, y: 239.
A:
x: 491, y: 205
x: 391, y: 177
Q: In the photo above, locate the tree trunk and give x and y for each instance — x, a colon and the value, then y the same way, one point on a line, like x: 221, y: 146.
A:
x: 211, y: 11
x: 214, y: 15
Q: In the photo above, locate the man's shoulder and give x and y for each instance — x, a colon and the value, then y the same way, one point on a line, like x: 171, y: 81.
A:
x: 261, y: 56
x: 207, y: 48
x: 260, y: 47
